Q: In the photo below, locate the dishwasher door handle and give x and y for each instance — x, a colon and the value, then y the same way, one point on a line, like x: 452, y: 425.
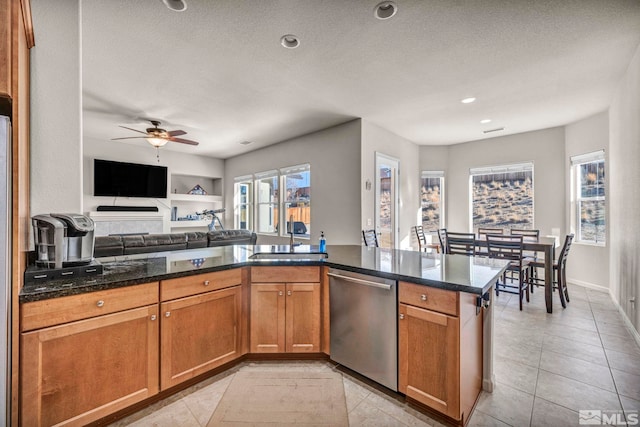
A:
x: 361, y: 281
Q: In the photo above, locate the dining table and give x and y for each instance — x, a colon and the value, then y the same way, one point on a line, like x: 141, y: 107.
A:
x: 547, y: 246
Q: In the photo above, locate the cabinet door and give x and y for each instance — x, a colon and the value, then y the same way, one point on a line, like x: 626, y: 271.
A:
x: 198, y: 334
x: 267, y: 318
x: 429, y: 359
x: 303, y: 317
x: 78, y: 372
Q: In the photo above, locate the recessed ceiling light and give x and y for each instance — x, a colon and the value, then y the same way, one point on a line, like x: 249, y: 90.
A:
x: 385, y: 10
x: 289, y: 41
x: 176, y: 5
x: 468, y: 100
x: 246, y: 142
x: 485, y: 121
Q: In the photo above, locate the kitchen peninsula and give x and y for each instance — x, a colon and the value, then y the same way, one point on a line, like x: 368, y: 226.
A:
x: 164, y: 321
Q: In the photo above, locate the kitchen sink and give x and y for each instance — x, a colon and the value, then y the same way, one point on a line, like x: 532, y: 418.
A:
x: 300, y: 256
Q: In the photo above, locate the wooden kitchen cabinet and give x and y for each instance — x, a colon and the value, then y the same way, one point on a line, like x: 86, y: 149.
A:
x: 440, y: 349
x: 285, y: 316
x: 199, y: 333
x: 81, y: 371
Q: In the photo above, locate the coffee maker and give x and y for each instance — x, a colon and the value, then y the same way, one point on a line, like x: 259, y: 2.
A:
x: 63, y: 240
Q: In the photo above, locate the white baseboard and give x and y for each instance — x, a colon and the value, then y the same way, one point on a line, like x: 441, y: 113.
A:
x: 589, y: 285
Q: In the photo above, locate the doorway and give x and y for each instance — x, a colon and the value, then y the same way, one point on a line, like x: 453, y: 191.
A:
x: 386, y: 203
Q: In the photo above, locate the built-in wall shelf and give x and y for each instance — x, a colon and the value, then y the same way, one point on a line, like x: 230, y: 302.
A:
x: 190, y: 224
x: 195, y: 198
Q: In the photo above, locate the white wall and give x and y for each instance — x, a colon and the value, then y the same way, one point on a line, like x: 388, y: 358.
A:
x: 624, y: 194
x: 176, y: 162
x: 587, y: 264
x: 544, y: 147
x: 376, y: 139
x: 334, y: 156
x: 56, y: 126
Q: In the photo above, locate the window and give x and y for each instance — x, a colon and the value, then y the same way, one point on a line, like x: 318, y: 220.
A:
x: 502, y: 196
x: 588, y: 177
x: 432, y: 200
x: 267, y: 199
x: 296, y: 203
x: 243, y: 203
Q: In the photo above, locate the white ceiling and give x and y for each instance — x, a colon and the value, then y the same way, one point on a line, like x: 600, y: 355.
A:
x: 218, y: 71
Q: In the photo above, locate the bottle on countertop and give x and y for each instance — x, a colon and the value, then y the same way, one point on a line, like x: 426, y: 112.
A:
x: 323, y: 242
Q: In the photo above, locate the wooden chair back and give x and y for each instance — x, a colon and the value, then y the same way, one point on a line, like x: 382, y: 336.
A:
x: 527, y: 235
x: 422, y: 239
x: 460, y: 243
x: 505, y: 247
x: 564, y: 253
x: 370, y: 238
x: 442, y: 237
x: 482, y: 231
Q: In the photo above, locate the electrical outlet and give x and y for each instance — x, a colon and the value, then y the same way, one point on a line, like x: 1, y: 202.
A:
x: 368, y: 222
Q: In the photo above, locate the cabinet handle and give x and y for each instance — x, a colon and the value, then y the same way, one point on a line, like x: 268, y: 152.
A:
x: 423, y: 297
x: 288, y: 293
x: 100, y: 303
x: 153, y: 317
x: 167, y: 314
x: 402, y: 317
x: 280, y: 293
x: 206, y: 283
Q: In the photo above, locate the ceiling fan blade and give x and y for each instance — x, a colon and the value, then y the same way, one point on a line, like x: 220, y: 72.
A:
x: 131, y: 137
x: 135, y: 130
x: 176, y: 133
x: 183, y: 141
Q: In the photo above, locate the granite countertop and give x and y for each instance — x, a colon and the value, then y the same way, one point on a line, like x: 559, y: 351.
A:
x: 452, y: 272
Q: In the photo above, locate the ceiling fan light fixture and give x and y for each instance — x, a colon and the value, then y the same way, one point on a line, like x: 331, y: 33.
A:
x: 289, y: 41
x: 157, y: 142
x: 175, y: 5
x: 468, y: 100
x: 385, y: 10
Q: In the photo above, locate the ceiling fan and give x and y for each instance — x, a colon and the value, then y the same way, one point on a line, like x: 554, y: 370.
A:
x: 158, y: 137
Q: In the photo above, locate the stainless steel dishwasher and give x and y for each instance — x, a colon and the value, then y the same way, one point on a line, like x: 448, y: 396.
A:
x: 364, y: 325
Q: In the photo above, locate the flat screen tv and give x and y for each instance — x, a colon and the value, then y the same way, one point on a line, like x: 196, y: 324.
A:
x: 119, y: 179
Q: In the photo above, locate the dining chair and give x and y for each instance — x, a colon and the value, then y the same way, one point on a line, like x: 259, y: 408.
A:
x: 529, y: 235
x: 442, y: 238
x: 422, y: 239
x: 559, y: 271
x: 482, y: 235
x: 370, y: 238
x: 516, y: 277
x: 460, y: 243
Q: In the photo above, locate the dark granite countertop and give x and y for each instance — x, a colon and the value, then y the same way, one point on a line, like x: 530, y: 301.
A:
x: 452, y: 272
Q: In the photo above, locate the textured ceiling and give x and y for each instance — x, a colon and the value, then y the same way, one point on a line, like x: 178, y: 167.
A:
x: 218, y: 70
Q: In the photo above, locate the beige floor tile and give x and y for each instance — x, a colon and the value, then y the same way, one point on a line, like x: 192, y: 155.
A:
x: 631, y: 408
x: 573, y: 394
x: 514, y: 374
x: 395, y: 409
x: 547, y: 414
x: 621, y: 344
x: 176, y: 414
x: 520, y: 353
x: 628, y: 384
x: 480, y: 419
x: 590, y: 353
x: 203, y: 402
x: 354, y: 392
x: 577, y: 322
x: 623, y: 361
x: 507, y: 404
x: 575, y: 334
x: 367, y: 414
x: 616, y: 328
x: 577, y: 369
x: 607, y: 316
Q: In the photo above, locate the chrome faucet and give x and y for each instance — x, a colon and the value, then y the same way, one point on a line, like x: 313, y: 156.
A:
x: 291, y: 241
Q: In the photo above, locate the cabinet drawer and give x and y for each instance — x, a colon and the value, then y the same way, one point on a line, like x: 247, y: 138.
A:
x: 55, y: 311
x: 430, y: 298
x: 285, y: 274
x: 192, y: 285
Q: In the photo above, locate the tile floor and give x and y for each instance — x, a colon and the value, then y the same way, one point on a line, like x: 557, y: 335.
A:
x: 548, y: 367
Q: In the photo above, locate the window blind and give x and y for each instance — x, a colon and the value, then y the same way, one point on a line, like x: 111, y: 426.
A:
x: 266, y: 174
x: 516, y: 167
x: 588, y: 157
x: 432, y: 174
x: 244, y: 178
x: 295, y: 169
